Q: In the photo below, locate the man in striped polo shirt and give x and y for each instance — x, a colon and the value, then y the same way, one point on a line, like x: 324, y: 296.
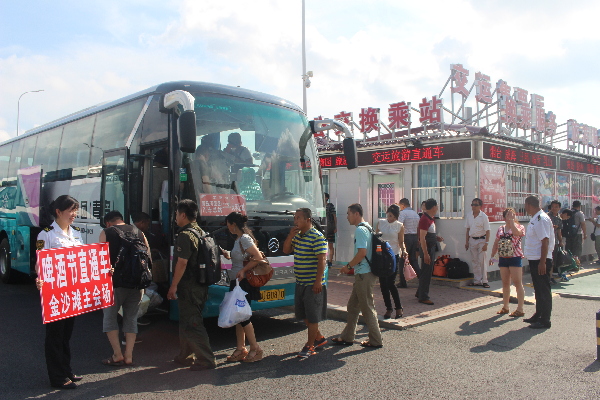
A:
x: 310, y: 248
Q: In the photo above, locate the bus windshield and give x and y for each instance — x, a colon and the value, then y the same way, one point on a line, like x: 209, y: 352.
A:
x: 251, y: 155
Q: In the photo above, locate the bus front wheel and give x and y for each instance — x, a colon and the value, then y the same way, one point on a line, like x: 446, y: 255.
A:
x: 5, y: 270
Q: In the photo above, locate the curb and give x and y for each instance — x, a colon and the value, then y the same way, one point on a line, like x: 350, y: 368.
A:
x: 340, y: 313
x: 579, y: 296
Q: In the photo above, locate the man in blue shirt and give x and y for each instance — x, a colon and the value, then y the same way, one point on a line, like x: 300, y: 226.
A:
x: 361, y: 298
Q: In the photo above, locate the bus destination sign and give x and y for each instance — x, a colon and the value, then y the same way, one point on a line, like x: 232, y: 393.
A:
x: 438, y: 152
x: 495, y: 152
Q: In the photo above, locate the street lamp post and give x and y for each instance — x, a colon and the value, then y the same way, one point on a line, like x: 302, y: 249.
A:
x: 19, y: 106
x: 305, y: 75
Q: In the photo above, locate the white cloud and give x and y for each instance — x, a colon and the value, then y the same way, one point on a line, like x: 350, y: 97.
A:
x: 363, y: 53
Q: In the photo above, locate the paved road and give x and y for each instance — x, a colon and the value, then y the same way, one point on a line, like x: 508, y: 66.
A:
x: 474, y: 356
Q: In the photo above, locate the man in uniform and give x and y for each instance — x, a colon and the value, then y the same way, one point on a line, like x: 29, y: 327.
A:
x: 539, y: 243
x: 193, y: 340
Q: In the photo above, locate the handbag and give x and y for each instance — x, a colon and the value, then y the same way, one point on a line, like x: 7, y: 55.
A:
x: 505, y: 245
x: 234, y: 308
x: 593, y: 236
x: 261, y: 273
x: 409, y: 272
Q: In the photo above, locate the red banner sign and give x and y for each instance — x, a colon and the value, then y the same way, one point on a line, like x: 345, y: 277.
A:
x: 221, y: 205
x: 77, y: 280
x: 517, y: 156
x: 492, y: 186
x: 448, y: 151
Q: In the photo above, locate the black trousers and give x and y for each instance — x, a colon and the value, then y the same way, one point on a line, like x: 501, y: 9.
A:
x: 543, y: 293
x: 387, y: 286
x: 411, y: 242
x: 58, y: 350
x: 426, y: 270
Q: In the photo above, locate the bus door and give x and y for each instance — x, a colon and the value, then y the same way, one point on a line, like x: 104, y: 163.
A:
x: 152, y: 186
x: 114, y: 190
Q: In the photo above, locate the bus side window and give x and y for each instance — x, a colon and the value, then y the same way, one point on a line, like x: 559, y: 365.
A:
x: 47, y: 148
x: 113, y: 127
x: 76, y: 144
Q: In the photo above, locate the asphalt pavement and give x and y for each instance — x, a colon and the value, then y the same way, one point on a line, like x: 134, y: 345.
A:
x: 474, y: 355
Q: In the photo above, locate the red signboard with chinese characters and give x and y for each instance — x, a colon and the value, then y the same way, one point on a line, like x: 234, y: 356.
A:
x: 449, y: 151
x: 221, y: 205
x: 77, y: 280
x: 492, y: 188
x: 517, y: 156
x: 581, y: 167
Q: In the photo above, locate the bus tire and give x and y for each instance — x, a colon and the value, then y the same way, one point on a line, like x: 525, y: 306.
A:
x: 5, y: 269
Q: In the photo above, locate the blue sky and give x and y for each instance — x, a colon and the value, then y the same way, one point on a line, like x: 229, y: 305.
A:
x: 363, y: 53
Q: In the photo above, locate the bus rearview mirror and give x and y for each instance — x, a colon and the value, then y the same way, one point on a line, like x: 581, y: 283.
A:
x: 350, y: 153
x: 186, y: 127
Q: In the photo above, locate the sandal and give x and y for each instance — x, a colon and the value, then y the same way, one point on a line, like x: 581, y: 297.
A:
x: 399, y: 312
x: 237, y: 355
x: 485, y: 285
x: 388, y: 314
x: 258, y: 355
x: 503, y: 311
x: 517, y: 314
x: 340, y: 342
x: 473, y: 284
x: 112, y: 363
x: 366, y: 343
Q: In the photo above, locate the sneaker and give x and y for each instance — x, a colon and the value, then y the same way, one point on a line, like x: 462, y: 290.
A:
x: 320, y: 342
x: 553, y: 281
x: 307, y: 351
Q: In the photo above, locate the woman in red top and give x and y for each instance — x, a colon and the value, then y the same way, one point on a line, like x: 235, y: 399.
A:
x: 508, y: 246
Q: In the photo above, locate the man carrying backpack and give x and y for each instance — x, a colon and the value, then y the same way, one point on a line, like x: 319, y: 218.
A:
x: 194, y: 344
x: 128, y: 288
x: 361, y: 298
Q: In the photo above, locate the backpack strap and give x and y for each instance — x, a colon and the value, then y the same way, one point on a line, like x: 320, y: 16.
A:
x: 372, y: 233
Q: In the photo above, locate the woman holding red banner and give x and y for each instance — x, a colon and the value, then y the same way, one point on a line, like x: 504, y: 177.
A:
x: 58, y: 333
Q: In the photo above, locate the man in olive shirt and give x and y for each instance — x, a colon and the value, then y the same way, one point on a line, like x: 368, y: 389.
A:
x: 193, y: 340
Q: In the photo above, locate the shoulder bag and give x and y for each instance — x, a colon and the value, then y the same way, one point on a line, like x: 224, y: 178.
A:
x: 261, y: 273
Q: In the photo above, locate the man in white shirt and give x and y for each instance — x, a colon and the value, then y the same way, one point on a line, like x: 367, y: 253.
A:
x: 477, y: 239
x: 539, y: 243
x: 410, y: 219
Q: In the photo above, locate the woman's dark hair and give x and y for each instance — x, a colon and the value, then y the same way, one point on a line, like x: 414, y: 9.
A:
x: 63, y: 203
x: 394, y: 210
x: 240, y: 220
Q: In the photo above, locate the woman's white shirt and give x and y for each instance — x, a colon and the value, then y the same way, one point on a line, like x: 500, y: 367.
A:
x: 56, y: 238
x: 389, y: 233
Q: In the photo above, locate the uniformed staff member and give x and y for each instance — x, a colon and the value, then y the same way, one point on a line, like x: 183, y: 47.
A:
x: 193, y: 340
x: 58, y: 333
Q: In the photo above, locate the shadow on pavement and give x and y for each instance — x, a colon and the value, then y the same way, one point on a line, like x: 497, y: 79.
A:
x: 507, y: 342
x: 593, y: 367
x: 476, y: 328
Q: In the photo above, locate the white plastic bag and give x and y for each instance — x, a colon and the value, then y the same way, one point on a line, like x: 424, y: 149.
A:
x: 234, y: 308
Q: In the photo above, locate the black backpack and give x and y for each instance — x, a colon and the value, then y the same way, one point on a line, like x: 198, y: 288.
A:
x: 208, y: 259
x: 382, y: 263
x: 457, y: 269
x: 569, y: 229
x: 133, y: 264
